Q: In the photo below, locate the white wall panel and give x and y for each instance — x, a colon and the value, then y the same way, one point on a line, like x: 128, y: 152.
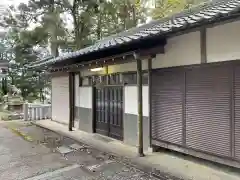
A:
x: 145, y: 101
x: 85, y: 97
x: 131, y: 100
x: 223, y: 42
x: 180, y: 50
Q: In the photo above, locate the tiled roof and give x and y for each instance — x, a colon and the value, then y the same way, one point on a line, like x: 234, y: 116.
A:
x: 208, y: 13
x: 37, y: 63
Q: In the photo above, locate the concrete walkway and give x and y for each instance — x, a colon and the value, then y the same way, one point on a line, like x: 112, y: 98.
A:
x: 165, y: 162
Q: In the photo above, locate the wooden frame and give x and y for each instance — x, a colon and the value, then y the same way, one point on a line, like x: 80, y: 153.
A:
x: 203, y: 45
x: 122, y: 74
x: 71, y: 100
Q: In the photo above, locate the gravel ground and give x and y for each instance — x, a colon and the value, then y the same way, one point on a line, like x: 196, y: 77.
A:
x: 32, y: 153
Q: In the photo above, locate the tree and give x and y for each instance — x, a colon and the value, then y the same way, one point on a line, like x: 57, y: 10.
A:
x: 62, y: 26
x: 128, y: 13
x: 93, y: 20
x: 21, y: 51
x: 165, y: 8
x: 4, y: 55
x: 47, y: 14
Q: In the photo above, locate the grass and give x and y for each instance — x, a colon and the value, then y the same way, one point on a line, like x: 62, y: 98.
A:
x: 14, y: 127
x: 21, y: 134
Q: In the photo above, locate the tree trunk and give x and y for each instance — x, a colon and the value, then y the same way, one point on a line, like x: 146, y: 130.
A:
x: 54, y: 49
x: 134, y: 20
x: 125, y: 16
x: 99, y: 23
x: 74, y: 13
x: 54, y: 39
x: 4, y: 86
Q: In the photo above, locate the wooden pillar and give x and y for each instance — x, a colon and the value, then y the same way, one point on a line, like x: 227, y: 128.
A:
x: 140, y: 105
x: 150, y: 97
x: 71, y: 101
x: 203, y: 45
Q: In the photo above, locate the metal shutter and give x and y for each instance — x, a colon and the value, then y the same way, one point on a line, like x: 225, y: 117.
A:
x: 167, y: 111
x: 60, y: 98
x: 208, y: 101
x: 237, y: 111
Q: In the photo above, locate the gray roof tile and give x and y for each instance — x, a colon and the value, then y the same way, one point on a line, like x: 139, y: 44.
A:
x: 208, y: 12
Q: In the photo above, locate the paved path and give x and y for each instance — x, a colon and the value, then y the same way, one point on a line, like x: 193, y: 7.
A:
x: 33, y: 157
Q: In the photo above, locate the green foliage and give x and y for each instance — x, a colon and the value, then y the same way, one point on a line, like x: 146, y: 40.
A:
x: 168, y: 7
x: 90, y: 21
x: 20, y: 42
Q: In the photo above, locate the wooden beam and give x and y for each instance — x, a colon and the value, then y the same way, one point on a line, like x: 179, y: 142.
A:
x: 150, y: 97
x: 117, y: 59
x: 155, y: 50
x: 203, y: 45
x: 140, y: 105
x: 71, y: 101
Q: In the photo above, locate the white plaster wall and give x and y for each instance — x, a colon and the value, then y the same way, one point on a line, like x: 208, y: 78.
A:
x: 145, y: 101
x: 180, y: 50
x: 223, y: 42
x: 77, y: 90
x: 85, y: 97
x: 131, y: 100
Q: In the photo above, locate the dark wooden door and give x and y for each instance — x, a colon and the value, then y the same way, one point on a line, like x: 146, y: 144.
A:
x: 109, y: 111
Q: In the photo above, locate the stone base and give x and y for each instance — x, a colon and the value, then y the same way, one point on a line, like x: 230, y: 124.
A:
x: 15, y: 108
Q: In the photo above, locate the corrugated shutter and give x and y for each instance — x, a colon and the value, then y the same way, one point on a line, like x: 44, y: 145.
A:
x: 167, y: 96
x: 208, y: 101
x: 60, y: 98
x: 237, y: 112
